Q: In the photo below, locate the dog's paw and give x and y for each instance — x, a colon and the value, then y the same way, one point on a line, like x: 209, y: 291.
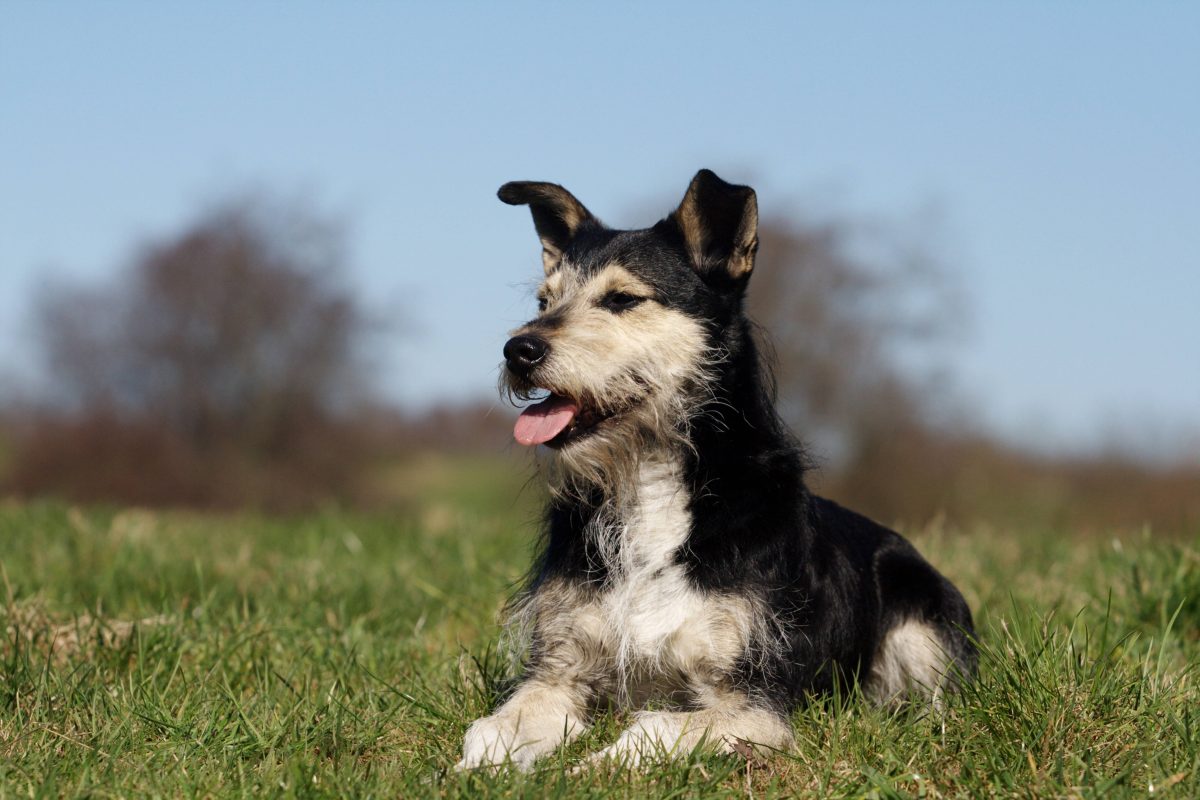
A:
x: 488, y: 743
x: 653, y: 736
x: 499, y: 741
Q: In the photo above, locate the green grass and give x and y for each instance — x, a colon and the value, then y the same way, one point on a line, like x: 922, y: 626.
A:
x: 344, y: 654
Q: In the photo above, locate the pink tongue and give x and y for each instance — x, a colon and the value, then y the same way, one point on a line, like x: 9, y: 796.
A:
x: 543, y: 421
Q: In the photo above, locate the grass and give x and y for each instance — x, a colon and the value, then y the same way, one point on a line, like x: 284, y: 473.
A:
x: 340, y: 654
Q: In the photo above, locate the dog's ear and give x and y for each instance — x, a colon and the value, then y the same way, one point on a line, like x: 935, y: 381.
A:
x: 557, y: 215
x: 719, y: 223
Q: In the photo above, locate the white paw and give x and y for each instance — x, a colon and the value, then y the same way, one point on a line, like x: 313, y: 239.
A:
x: 488, y: 742
x: 504, y: 738
x: 654, y: 736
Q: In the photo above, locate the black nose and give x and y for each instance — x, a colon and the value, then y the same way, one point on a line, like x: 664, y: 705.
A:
x: 522, y: 353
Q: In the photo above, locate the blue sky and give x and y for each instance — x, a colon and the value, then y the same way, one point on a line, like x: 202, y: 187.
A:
x: 1061, y: 143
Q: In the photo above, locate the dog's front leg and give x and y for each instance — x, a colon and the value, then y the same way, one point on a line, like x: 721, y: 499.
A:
x: 543, y: 713
x: 727, y: 725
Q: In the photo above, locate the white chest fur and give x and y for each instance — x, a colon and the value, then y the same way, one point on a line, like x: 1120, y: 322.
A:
x: 654, y: 619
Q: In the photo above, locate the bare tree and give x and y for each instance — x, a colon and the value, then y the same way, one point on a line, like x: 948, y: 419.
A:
x: 849, y: 311
x: 233, y: 343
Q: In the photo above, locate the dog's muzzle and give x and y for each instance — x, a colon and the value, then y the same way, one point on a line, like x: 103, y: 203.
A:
x: 523, y: 353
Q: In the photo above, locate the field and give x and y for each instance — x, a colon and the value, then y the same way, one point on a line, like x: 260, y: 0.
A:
x: 343, y: 654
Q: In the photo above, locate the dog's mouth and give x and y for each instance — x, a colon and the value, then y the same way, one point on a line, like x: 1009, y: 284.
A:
x: 558, y: 420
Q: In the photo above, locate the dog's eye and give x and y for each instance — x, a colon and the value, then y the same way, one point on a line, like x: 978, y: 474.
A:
x: 620, y: 301
x: 542, y: 303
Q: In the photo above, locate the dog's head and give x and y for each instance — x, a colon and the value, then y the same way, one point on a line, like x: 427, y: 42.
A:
x: 633, y: 326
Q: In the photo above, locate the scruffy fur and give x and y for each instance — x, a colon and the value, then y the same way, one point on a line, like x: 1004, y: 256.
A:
x: 685, y: 565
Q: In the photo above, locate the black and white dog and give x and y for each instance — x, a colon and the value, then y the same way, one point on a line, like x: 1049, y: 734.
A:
x: 684, y: 563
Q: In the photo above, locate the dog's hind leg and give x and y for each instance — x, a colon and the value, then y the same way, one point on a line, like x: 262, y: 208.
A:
x: 927, y: 647
x: 912, y: 660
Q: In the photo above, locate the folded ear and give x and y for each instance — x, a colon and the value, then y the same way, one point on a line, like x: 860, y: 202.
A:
x: 557, y: 215
x: 719, y: 223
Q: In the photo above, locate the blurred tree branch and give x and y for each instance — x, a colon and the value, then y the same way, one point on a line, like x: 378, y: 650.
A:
x: 230, y: 348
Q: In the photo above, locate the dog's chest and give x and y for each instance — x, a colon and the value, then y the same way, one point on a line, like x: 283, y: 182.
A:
x: 653, y: 614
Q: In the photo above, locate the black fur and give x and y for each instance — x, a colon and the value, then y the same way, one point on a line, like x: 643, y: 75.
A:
x: 834, y: 581
x: 839, y: 579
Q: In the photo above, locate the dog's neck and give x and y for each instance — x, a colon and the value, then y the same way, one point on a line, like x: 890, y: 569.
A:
x: 737, y: 470
x: 735, y: 431
x: 648, y: 520
x: 742, y: 424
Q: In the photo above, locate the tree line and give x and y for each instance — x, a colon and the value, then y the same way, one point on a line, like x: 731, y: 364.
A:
x: 227, y: 364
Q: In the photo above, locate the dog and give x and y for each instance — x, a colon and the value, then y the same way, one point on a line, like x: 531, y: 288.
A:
x: 684, y: 563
